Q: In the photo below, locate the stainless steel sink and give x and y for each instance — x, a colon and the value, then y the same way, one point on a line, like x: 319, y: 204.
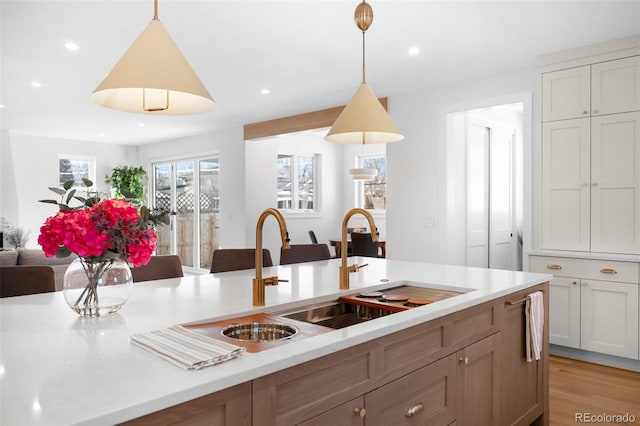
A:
x: 260, y: 331
x: 336, y: 314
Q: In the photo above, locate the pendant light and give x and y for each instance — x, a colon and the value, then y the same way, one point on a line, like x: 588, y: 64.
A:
x: 363, y: 174
x: 364, y: 119
x: 153, y: 76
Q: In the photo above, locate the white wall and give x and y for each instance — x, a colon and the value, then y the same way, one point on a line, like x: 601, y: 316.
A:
x: 417, y: 165
x: 261, y: 177
x: 30, y: 166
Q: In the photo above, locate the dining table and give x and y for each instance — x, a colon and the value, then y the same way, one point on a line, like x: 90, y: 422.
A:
x: 336, y: 243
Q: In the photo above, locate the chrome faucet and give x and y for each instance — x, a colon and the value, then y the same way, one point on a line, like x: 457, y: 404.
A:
x: 258, y: 282
x: 344, y: 269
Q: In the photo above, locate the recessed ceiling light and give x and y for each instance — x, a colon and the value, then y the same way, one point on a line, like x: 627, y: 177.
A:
x: 141, y: 124
x: 36, y: 84
x: 102, y: 135
x: 71, y: 46
x: 265, y: 91
x: 413, y: 51
x: 1, y: 106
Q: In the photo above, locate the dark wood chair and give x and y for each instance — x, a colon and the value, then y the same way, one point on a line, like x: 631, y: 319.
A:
x: 298, y: 253
x: 225, y: 260
x: 158, y: 268
x: 21, y: 280
x: 363, y: 245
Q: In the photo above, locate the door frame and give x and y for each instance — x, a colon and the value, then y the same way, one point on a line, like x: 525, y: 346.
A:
x: 449, y: 235
x: 195, y: 157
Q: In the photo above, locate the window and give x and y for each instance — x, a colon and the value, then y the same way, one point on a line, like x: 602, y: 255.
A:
x: 372, y: 195
x: 76, y: 168
x: 296, y: 177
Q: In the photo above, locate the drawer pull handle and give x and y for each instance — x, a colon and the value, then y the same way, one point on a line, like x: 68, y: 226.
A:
x: 464, y: 360
x: 554, y: 266
x: 608, y: 271
x: 416, y: 409
x: 361, y: 412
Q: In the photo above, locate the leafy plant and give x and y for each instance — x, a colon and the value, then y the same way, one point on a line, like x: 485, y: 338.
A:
x: 16, y: 236
x: 128, y: 183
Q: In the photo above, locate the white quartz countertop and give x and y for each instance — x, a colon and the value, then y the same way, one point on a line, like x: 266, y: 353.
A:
x: 58, y: 369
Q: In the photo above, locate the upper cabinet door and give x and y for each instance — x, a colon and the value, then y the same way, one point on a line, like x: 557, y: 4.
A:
x: 615, y: 86
x: 566, y: 94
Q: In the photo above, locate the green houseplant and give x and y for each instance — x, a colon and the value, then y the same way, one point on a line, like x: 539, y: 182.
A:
x: 128, y: 183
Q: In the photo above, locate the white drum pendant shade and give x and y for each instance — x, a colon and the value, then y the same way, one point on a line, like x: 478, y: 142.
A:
x: 364, y: 120
x: 153, y: 76
x: 363, y: 174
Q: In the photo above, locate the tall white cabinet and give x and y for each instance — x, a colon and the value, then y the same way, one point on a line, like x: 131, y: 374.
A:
x: 590, y: 196
x: 588, y: 224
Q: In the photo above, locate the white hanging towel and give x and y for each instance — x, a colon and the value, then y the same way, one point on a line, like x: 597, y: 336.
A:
x: 534, y: 313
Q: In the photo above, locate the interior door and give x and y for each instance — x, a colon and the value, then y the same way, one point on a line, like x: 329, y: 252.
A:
x: 490, y: 195
x: 477, y: 196
x: 501, y: 198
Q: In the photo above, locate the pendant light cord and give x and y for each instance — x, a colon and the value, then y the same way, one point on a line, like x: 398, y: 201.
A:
x: 364, y: 79
x: 155, y: 10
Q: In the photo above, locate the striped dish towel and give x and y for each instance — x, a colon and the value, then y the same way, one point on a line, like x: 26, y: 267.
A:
x: 185, y: 348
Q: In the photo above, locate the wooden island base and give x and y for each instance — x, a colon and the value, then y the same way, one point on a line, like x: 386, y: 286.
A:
x: 466, y: 367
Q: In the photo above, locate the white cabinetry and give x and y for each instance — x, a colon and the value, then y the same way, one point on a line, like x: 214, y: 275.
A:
x: 615, y: 86
x: 566, y: 191
x: 590, y: 198
x: 615, y: 183
x: 593, y: 304
x: 566, y: 94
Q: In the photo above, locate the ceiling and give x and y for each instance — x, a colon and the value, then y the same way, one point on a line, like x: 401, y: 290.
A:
x: 307, y: 53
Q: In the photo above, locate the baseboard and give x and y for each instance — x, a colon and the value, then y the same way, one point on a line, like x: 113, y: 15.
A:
x: 595, y: 357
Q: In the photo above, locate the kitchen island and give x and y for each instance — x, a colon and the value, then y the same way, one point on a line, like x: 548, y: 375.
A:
x: 57, y: 368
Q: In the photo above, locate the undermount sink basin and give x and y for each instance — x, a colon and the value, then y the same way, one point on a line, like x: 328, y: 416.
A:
x: 260, y: 331
x: 336, y: 314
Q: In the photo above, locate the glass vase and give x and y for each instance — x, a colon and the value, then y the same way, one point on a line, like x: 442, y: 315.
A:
x: 94, y: 289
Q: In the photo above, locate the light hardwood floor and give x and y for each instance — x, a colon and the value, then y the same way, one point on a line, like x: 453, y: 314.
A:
x: 577, y: 387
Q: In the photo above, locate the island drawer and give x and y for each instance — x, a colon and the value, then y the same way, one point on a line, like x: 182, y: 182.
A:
x: 595, y: 269
x: 471, y: 325
x: 425, y: 396
x: 304, y: 391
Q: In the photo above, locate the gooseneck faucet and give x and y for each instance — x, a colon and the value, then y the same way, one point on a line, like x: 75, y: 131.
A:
x: 344, y: 269
x: 258, y: 282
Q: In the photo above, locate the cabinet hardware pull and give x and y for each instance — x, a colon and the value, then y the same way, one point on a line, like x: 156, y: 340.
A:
x: 585, y: 112
x: 554, y: 266
x: 464, y: 360
x: 608, y: 271
x: 360, y: 412
x: 574, y: 283
x: 416, y: 409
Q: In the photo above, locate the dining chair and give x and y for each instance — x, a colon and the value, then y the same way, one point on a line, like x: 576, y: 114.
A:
x: 363, y: 245
x: 298, y: 253
x: 158, y: 267
x: 312, y: 235
x: 21, y: 280
x: 225, y: 260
